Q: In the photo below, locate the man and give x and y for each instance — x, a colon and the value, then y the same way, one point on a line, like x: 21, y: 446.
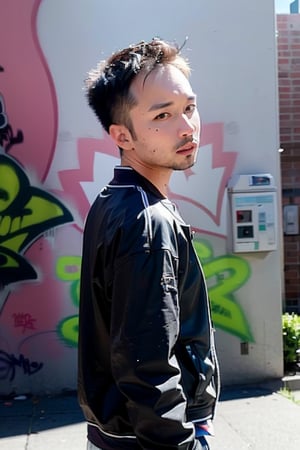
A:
x: 148, y: 376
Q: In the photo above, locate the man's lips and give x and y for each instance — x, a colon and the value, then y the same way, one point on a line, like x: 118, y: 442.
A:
x: 187, y: 148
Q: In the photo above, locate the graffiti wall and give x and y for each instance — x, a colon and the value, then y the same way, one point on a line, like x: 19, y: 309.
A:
x: 54, y: 158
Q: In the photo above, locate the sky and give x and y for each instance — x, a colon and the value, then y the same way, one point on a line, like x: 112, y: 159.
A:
x: 282, y: 6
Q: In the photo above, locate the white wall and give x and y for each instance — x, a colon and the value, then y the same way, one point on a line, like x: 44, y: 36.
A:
x: 231, y: 47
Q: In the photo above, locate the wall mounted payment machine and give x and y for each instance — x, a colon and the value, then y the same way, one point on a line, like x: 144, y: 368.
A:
x: 253, y: 202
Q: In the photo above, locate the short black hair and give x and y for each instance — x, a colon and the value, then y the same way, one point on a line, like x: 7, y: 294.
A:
x: 108, y: 86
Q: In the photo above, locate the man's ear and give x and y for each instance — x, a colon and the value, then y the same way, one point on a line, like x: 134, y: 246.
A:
x: 121, y: 136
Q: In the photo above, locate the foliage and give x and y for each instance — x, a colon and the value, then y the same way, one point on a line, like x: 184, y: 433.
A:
x: 291, y: 337
x: 287, y: 393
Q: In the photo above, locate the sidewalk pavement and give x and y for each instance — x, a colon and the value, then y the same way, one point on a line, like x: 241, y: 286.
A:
x: 248, y: 417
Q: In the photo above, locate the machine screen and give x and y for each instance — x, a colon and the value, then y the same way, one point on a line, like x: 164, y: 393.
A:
x: 244, y: 215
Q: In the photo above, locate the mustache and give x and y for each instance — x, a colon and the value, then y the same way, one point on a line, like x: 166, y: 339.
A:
x: 186, y: 140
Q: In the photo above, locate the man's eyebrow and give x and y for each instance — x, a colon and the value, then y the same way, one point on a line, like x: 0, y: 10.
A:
x: 157, y: 106
x: 160, y: 106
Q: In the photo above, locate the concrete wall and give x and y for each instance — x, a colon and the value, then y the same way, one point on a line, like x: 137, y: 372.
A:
x: 55, y: 158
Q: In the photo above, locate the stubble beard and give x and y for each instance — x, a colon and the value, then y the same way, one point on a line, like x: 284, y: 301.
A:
x: 187, y: 164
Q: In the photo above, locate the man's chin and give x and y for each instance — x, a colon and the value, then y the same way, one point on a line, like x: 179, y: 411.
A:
x: 185, y: 166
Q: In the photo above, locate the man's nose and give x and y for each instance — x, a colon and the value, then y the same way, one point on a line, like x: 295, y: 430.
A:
x: 186, y: 127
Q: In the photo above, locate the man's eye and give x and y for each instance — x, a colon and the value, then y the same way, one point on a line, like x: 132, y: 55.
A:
x: 190, y: 108
x: 162, y: 116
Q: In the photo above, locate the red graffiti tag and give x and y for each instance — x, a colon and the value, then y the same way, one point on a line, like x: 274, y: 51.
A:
x: 26, y: 321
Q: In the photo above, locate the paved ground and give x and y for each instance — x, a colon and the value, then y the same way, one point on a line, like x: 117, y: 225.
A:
x: 248, y: 417
x: 257, y: 418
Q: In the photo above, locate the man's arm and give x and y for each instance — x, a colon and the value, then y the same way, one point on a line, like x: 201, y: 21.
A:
x: 145, y: 327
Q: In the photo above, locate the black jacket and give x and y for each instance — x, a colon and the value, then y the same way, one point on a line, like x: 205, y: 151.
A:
x: 147, y: 364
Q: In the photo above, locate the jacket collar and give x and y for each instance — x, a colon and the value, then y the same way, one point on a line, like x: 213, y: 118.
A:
x: 124, y: 175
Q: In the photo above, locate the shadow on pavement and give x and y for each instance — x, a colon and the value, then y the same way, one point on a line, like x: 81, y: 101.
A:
x: 249, y: 391
x: 30, y: 414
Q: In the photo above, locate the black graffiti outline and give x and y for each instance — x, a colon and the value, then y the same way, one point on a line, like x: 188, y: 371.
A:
x: 25, y: 204
x: 9, y: 363
x: 6, y: 132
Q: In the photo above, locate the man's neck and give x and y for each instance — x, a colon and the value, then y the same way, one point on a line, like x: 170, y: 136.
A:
x: 158, y: 177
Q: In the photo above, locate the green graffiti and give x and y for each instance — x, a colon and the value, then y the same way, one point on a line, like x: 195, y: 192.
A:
x: 68, y: 270
x: 67, y: 330
x: 225, y: 275
x: 75, y: 291
x: 26, y: 212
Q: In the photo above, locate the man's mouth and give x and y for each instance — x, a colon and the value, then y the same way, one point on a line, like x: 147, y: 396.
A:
x: 188, y: 148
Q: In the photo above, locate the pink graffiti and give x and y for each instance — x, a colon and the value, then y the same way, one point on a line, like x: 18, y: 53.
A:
x: 71, y: 179
x: 87, y: 149
x: 31, y: 105
x: 24, y: 320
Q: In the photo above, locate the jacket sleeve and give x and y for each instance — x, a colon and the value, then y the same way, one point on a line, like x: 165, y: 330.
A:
x: 145, y: 327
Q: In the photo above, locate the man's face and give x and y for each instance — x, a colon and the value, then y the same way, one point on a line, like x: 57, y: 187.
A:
x: 165, y: 120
